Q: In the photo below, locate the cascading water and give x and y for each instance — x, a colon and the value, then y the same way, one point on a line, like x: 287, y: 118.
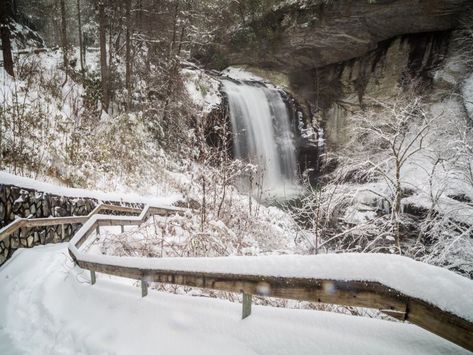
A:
x: 262, y: 135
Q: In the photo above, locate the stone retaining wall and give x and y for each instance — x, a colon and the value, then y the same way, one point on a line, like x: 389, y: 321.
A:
x: 16, y: 202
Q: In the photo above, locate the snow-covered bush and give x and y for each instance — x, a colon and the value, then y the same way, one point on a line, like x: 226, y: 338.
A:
x: 383, y: 139
x: 405, y: 173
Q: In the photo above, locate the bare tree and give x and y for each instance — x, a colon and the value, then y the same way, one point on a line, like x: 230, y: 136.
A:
x: 383, y: 139
x: 174, y: 28
x: 81, y: 44
x: 64, y: 41
x: 104, y: 71
x: 128, y: 57
x: 5, y: 34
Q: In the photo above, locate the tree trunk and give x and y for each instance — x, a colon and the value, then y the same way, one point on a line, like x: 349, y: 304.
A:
x: 174, y: 29
x: 181, y: 38
x: 81, y: 45
x: 5, y: 34
x: 171, y: 61
x: 64, y: 36
x: 397, y: 207
x: 128, y: 58
x: 203, y: 207
x: 103, y: 55
x: 14, y: 9
x: 110, y: 60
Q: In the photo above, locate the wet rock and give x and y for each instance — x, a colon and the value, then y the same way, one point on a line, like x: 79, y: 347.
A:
x: 60, y: 211
x: 14, y: 243
x: 30, y: 241
x: 46, y: 210
x: 3, y: 196
x: 2, y: 211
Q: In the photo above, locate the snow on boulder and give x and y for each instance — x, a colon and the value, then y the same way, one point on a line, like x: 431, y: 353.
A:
x: 240, y: 74
x: 202, y: 89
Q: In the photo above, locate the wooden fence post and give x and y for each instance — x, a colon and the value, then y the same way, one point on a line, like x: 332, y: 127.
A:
x: 21, y: 234
x: 246, y: 305
x: 123, y: 228
x: 97, y: 230
x: 93, y: 278
x: 144, y: 288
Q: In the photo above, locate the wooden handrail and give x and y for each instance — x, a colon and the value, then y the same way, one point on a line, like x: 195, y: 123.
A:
x: 50, y: 221
x: 350, y: 293
x: 102, y: 220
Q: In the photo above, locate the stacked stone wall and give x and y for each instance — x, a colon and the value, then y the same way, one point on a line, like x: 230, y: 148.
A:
x: 17, y: 202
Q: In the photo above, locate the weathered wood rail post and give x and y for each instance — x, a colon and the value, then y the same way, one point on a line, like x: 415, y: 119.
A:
x: 93, y: 278
x: 246, y: 305
x: 144, y: 288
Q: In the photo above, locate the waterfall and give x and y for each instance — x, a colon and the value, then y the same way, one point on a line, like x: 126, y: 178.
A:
x: 262, y: 135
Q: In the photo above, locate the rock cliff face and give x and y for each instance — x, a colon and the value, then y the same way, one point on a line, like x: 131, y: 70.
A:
x: 294, y: 38
x: 335, y: 53
x: 332, y: 92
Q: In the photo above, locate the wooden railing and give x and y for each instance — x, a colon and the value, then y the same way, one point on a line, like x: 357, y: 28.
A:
x: 349, y: 293
x: 20, y: 223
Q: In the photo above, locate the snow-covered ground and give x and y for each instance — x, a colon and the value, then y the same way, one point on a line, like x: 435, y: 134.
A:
x: 238, y: 73
x: 49, y: 307
x: 28, y: 183
x: 202, y: 89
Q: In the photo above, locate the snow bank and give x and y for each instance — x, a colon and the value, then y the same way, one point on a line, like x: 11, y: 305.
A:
x: 48, y: 307
x: 435, y: 285
x: 202, y: 89
x: 237, y: 73
x: 27, y: 183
